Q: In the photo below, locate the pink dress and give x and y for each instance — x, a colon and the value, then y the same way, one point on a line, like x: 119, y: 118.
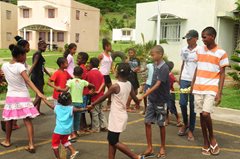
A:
x: 118, y: 116
x: 71, y: 64
x: 18, y: 103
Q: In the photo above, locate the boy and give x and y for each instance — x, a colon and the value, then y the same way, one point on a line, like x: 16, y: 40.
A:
x: 95, y: 77
x: 59, y: 79
x: 207, y: 87
x: 158, y: 98
x: 76, y: 87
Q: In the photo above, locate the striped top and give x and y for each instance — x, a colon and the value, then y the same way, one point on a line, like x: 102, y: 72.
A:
x: 209, y: 63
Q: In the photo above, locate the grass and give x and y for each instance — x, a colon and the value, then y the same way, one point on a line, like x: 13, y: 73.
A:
x: 231, y: 97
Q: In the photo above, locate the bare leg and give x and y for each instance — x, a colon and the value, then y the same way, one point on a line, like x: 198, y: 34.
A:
x: 208, y: 121
x: 111, y: 151
x: 71, y: 149
x: 204, y: 131
x: 109, y: 99
x: 124, y: 149
x: 148, y: 129
x: 7, y: 141
x: 145, y: 105
x: 56, y: 153
x: 30, y: 131
x: 163, y: 140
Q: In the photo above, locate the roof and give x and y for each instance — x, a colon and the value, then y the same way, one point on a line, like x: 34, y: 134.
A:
x: 167, y: 16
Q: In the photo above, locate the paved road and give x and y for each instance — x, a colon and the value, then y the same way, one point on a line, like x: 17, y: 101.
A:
x: 95, y: 146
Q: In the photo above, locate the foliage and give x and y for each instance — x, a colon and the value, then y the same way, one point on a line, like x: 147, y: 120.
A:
x: 114, y: 23
x: 236, y: 73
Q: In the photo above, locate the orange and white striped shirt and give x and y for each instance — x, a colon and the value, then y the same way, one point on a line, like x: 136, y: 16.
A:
x: 209, y: 63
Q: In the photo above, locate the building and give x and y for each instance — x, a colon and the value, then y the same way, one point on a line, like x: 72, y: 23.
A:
x: 59, y: 22
x: 179, y: 16
x: 8, y: 24
x: 123, y: 34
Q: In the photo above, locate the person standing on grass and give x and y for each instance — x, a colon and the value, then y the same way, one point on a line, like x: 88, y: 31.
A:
x: 68, y: 54
x: 188, y: 55
x: 18, y: 103
x: 207, y: 86
x: 158, y: 96
x: 134, y: 64
x: 118, y: 113
x: 37, y: 72
x: 106, y: 64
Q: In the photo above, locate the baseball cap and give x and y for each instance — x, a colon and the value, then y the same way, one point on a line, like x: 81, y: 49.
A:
x: 191, y: 34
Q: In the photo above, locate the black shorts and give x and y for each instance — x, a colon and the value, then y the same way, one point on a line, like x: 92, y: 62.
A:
x: 107, y: 79
x: 133, y: 79
x: 113, y: 138
x: 38, y: 82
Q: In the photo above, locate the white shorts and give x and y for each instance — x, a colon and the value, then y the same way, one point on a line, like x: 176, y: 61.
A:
x: 204, y: 103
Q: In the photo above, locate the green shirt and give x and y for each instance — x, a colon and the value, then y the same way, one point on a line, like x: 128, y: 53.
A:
x: 76, y: 87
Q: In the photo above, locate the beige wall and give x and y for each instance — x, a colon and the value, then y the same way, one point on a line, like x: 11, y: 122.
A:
x: 7, y: 25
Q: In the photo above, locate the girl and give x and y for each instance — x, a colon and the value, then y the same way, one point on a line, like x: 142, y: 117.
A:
x: 118, y: 114
x: 18, y: 103
x: 68, y: 54
x: 106, y: 65
x: 133, y: 78
x: 37, y: 72
x: 64, y: 123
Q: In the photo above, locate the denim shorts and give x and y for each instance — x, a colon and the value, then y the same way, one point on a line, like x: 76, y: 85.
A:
x: 156, y: 113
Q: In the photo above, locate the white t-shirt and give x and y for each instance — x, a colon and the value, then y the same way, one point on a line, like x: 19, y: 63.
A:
x: 105, y: 64
x: 16, y: 84
x: 71, y: 64
x: 189, y: 58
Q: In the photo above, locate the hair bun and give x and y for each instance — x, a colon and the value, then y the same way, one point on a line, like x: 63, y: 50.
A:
x: 18, y: 38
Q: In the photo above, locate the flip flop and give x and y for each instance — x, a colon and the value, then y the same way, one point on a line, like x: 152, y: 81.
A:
x: 74, y: 155
x: 206, y: 152
x: 30, y: 150
x: 213, y: 149
x: 148, y: 155
x: 191, y: 138
x: 161, y: 155
x: 6, y: 146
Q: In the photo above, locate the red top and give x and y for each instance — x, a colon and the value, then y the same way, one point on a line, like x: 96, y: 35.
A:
x: 95, y: 77
x: 172, y: 80
x: 84, y: 77
x: 60, y: 79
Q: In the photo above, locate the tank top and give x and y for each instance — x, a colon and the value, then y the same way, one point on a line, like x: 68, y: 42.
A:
x: 118, y: 114
x: 38, y: 70
x: 106, y: 64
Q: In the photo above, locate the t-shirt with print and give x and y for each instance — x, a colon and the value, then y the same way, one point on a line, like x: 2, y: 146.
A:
x: 59, y: 78
x: 76, y: 87
x: 189, y: 58
x: 209, y: 64
x: 64, y: 119
x: 150, y: 68
x: 134, y: 63
x: 161, y: 94
x: 96, y: 78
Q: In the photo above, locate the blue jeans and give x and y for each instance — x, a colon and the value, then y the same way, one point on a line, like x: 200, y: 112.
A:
x: 184, y: 98
x: 77, y: 115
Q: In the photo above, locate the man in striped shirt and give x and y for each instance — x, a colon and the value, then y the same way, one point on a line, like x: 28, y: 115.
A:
x: 207, y: 87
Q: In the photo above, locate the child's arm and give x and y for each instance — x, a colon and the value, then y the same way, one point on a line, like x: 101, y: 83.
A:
x: 48, y: 104
x: 35, y: 61
x: 134, y: 97
x: 31, y: 85
x: 152, y: 89
x: 181, y: 70
x: 81, y: 109
x: 50, y: 83
x: 100, y: 88
x: 193, y: 80
x: 221, y: 83
x: 46, y: 71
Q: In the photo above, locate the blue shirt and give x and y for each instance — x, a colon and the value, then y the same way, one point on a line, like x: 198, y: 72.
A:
x: 150, y: 68
x: 64, y: 119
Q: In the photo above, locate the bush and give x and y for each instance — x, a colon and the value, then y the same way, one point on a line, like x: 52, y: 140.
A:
x: 236, y: 73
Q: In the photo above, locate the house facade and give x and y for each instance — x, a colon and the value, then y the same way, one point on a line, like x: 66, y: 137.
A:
x: 123, y: 34
x: 179, y: 16
x: 8, y: 24
x: 59, y: 22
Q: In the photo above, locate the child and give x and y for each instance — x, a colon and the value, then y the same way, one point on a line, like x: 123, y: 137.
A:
x: 59, y: 78
x: 68, y: 54
x: 95, y: 77
x: 64, y: 123
x: 76, y: 86
x: 171, y: 104
x: 118, y: 114
x: 106, y: 65
x: 37, y: 72
x: 207, y: 85
x: 158, y: 96
x: 18, y: 103
x: 134, y: 63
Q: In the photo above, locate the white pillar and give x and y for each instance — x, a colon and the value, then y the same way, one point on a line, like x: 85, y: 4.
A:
x: 159, y: 23
x: 24, y: 34
x: 51, y: 39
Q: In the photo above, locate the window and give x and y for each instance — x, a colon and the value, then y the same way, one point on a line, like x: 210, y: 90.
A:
x: 25, y: 13
x: 85, y: 14
x: 126, y: 32
x: 52, y: 36
x: 170, y: 31
x: 77, y: 14
x: 28, y: 36
x: 77, y: 37
x: 8, y: 14
x: 60, y: 37
x: 9, y: 36
x: 42, y: 35
x: 51, y: 13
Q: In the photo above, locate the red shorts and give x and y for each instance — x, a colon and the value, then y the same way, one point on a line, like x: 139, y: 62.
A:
x: 57, y: 138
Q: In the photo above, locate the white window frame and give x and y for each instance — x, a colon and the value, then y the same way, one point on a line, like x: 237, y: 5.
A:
x: 8, y: 14
x: 170, y: 31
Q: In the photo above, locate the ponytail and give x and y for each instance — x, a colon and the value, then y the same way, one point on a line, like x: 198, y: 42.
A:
x: 69, y: 48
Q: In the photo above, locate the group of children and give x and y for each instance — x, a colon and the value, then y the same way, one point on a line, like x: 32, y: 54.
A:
x: 78, y: 89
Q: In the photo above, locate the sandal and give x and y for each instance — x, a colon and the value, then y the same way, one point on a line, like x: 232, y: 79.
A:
x: 30, y: 150
x: 179, y: 124
x: 215, y: 150
x: 161, y: 155
x: 182, y: 133
x: 148, y: 155
x: 74, y: 155
x: 4, y: 145
x: 206, y: 152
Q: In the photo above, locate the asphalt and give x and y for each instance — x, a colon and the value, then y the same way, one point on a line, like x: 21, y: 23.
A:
x: 94, y: 146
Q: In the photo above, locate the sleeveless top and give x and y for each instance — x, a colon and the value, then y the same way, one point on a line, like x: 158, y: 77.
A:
x: 106, y: 64
x: 118, y: 114
x: 38, y: 70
